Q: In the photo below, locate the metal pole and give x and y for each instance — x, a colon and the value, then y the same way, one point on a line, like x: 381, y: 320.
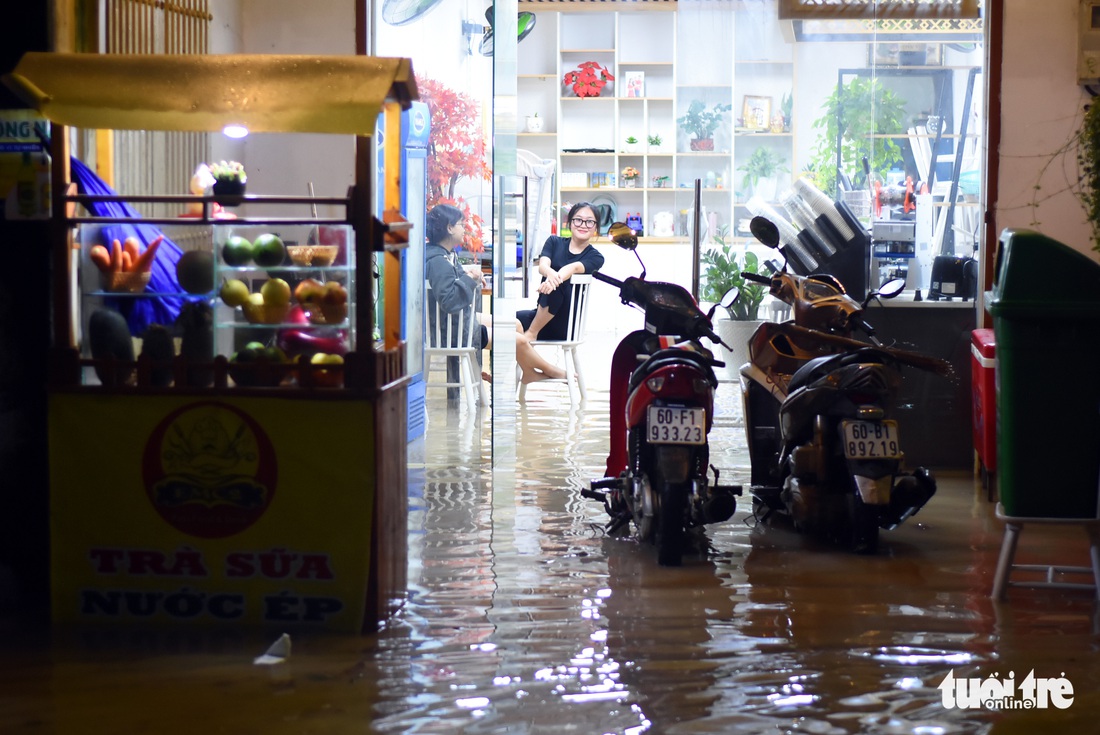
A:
x: 697, y: 219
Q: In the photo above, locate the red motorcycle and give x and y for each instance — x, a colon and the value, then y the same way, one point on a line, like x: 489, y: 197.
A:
x: 662, y: 409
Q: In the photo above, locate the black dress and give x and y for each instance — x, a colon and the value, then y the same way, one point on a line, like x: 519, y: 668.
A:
x: 557, y: 302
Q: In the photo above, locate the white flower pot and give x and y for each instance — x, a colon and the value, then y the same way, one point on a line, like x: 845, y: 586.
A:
x: 534, y: 124
x: 765, y: 188
x: 736, y: 334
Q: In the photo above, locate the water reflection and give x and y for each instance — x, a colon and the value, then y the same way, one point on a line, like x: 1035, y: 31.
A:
x: 523, y: 617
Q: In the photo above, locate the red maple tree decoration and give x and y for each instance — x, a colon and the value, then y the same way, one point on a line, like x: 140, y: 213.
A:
x: 588, y: 79
x: 456, y: 150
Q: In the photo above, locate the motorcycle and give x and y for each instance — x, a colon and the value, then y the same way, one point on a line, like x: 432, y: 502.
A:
x: 662, y: 409
x: 822, y: 448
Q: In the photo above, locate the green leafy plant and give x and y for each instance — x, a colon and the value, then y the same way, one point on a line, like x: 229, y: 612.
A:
x: 764, y: 163
x: 786, y: 107
x: 631, y: 140
x: 1088, y: 164
x: 865, y: 108
x: 700, y: 122
x: 228, y: 171
x: 723, y: 271
x: 654, y: 140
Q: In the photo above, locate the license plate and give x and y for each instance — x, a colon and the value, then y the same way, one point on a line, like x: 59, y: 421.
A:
x: 673, y: 425
x: 871, y: 439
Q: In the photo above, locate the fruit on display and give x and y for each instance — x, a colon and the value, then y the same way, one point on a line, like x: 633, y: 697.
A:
x: 309, y: 342
x: 195, y: 272
x: 234, y: 292
x: 276, y: 292
x: 257, y: 364
x: 109, y: 340
x: 334, y: 302
x: 309, y: 291
x: 327, y: 377
x: 268, y: 251
x: 237, y: 251
x: 125, y: 267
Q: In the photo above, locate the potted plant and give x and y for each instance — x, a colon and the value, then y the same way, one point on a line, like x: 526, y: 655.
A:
x: 631, y: 144
x: 654, y: 142
x: 869, y: 112
x: 229, y: 178
x: 534, y: 123
x: 760, y: 172
x: 722, y: 270
x: 786, y: 107
x: 588, y: 79
x: 630, y: 177
x: 700, y: 123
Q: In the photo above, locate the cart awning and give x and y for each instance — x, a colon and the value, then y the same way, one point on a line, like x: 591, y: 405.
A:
x: 266, y: 93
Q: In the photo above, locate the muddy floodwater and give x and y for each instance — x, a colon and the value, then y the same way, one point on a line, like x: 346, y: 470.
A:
x: 522, y: 617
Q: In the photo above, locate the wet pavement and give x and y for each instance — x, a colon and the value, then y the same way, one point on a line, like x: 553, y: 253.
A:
x: 522, y: 617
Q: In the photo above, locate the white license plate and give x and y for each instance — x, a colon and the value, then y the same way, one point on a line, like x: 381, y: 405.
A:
x: 673, y: 425
x: 871, y: 439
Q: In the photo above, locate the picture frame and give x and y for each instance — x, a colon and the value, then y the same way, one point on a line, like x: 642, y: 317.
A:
x: 756, y: 112
x: 634, y: 83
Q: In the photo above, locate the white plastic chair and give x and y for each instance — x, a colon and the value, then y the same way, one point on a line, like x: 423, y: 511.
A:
x: 574, y: 337
x: 465, y: 351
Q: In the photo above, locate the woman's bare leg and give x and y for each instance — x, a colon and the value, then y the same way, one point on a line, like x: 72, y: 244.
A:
x: 534, y: 366
x: 486, y: 321
x: 542, y: 318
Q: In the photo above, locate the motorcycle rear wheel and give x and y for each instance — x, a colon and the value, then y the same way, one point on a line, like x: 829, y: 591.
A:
x: 863, y: 523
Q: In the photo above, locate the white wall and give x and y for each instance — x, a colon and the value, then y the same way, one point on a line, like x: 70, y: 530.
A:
x: 1041, y: 109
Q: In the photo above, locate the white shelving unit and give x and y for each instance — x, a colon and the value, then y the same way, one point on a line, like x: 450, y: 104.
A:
x: 683, y: 57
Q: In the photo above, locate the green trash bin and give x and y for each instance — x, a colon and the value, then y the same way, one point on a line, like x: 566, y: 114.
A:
x: 1045, y: 305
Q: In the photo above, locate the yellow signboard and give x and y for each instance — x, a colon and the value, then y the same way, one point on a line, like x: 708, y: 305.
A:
x: 240, y: 511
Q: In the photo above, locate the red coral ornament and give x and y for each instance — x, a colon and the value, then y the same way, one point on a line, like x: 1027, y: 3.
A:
x: 588, y: 79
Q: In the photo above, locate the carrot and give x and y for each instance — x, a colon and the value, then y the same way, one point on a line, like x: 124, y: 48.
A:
x: 127, y: 262
x: 144, y: 262
x: 116, y: 256
x: 101, y: 257
x: 132, y: 246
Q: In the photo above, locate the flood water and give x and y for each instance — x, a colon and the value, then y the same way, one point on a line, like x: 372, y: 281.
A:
x: 522, y: 617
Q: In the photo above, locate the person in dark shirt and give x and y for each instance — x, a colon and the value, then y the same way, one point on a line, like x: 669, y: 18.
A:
x: 560, y: 260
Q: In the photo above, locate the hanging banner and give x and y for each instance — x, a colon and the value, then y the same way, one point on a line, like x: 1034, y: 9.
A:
x: 231, y: 511
x: 24, y: 166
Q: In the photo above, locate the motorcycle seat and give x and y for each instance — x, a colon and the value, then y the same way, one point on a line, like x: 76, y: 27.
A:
x: 671, y: 356
x: 818, y: 367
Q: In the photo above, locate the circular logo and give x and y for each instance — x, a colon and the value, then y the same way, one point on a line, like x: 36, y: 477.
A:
x: 419, y: 121
x: 209, y: 470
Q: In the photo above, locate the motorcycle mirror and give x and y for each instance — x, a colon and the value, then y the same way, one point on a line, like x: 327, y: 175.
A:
x: 764, y: 230
x: 891, y: 288
x: 623, y: 236
x: 729, y: 298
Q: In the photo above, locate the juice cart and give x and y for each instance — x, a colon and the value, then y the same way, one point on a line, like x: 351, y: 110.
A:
x: 190, y: 485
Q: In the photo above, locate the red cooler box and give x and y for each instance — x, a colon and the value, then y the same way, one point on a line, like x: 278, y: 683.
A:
x: 984, y: 390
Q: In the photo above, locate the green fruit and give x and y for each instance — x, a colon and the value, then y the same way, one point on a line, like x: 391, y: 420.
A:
x: 195, y: 271
x: 237, y: 251
x: 234, y: 292
x: 268, y: 251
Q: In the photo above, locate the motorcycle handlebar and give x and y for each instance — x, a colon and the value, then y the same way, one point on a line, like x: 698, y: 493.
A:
x: 607, y: 279
x: 766, y: 280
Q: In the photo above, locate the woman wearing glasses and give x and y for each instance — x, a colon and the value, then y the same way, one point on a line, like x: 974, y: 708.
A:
x: 561, y: 258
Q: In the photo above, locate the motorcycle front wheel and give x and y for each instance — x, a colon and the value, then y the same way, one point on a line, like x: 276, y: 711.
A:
x: 670, y: 529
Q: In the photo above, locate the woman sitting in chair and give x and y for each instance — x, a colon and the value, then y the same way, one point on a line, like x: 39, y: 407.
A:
x: 452, y: 286
x: 561, y: 259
